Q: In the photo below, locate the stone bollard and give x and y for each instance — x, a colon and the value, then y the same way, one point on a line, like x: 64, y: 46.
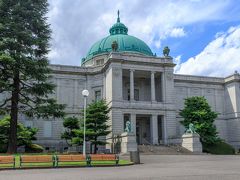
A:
x: 135, y: 157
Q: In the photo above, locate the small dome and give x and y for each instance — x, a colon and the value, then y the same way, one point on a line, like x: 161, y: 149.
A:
x: 118, y: 33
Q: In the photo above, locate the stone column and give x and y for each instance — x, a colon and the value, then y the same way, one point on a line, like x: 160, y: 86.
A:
x: 104, y: 86
x: 163, y: 85
x: 164, y: 125
x: 133, y: 123
x: 153, y: 94
x: 131, y: 85
x: 154, y: 129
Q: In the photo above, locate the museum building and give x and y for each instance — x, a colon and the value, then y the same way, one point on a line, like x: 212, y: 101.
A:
x: 139, y: 87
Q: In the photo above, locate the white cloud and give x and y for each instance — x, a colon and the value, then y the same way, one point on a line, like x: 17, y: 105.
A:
x: 77, y: 24
x: 157, y: 44
x: 177, y: 61
x: 177, y: 32
x: 221, y: 57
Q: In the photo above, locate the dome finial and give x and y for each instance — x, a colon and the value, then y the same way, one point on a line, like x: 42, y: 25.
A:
x: 118, y: 27
x: 118, y: 19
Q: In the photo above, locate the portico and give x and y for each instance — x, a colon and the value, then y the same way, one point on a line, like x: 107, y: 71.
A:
x: 149, y: 129
x: 140, y: 85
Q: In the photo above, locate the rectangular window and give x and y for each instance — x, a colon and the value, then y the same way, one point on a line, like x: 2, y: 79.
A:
x: 99, y: 62
x: 98, y: 95
x: 47, y: 129
x: 125, y: 119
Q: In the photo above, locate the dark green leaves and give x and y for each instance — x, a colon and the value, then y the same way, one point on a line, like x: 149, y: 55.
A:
x: 24, y: 43
x: 96, y: 125
x: 198, y: 112
x: 25, y: 135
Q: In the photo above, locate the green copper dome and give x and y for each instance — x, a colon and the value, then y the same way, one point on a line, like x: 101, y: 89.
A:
x: 126, y: 43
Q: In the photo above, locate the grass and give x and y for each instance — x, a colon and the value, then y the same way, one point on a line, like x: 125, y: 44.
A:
x: 62, y: 164
x: 219, y: 148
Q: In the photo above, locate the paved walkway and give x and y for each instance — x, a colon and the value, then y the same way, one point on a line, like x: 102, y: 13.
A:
x: 163, y: 167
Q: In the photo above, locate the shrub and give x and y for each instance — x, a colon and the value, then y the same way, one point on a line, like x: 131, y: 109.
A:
x: 218, y: 148
x: 34, y: 148
x: 3, y: 148
x: 25, y: 135
x: 198, y: 112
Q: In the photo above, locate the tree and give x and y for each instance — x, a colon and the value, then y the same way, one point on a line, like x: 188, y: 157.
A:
x: 24, y: 71
x: 25, y: 135
x: 96, y: 124
x: 70, y: 124
x: 198, y: 112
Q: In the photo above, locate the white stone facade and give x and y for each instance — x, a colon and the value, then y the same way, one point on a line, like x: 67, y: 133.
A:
x: 144, y: 90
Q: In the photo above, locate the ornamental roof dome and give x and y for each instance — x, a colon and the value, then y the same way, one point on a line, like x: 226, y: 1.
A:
x: 126, y: 43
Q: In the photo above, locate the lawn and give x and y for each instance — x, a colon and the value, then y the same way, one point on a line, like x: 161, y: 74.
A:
x: 62, y: 164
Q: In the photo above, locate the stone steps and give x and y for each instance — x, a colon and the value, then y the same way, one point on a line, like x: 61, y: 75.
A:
x: 163, y: 149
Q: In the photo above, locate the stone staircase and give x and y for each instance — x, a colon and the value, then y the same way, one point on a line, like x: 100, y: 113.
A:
x: 163, y: 149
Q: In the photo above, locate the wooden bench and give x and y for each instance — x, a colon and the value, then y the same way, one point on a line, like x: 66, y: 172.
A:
x: 26, y: 159
x: 104, y: 157
x: 72, y: 158
x: 7, y: 160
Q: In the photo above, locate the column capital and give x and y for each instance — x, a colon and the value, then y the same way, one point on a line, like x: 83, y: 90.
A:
x: 131, y: 70
x: 153, y: 72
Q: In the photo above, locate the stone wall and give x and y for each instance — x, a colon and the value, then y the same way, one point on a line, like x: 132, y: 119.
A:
x: 223, y: 96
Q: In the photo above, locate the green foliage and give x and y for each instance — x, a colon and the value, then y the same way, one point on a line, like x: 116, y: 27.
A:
x: 70, y: 124
x: 198, y: 112
x: 218, y: 148
x: 96, y: 124
x: 25, y: 135
x: 24, y: 67
x: 23, y: 57
x: 34, y: 148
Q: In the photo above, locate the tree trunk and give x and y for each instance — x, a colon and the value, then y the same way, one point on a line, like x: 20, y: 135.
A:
x: 95, y: 146
x: 91, y: 148
x: 12, y: 142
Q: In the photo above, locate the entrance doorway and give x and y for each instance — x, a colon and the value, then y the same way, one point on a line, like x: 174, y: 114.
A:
x: 143, y: 134
x: 160, y: 130
x: 143, y: 130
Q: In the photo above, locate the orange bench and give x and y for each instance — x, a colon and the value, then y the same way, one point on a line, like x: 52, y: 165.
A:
x: 37, y: 159
x: 104, y: 157
x: 7, y: 160
x: 71, y: 158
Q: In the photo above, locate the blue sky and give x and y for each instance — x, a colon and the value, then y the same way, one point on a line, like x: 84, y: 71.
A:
x: 200, y: 33
x: 196, y: 40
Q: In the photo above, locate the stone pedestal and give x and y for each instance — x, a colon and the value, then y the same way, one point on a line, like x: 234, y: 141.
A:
x: 135, y: 157
x: 128, y: 142
x: 192, y: 142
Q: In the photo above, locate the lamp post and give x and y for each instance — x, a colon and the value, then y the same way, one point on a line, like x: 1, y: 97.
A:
x: 85, y: 94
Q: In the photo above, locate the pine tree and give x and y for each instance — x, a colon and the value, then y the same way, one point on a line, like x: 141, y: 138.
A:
x: 96, y: 125
x: 70, y: 124
x: 24, y: 71
x: 198, y: 112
